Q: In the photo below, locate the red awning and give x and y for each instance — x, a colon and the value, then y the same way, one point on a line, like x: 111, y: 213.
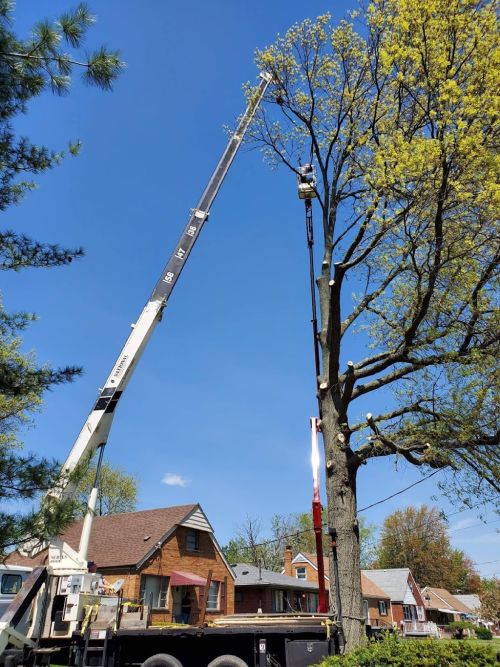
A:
x: 178, y: 578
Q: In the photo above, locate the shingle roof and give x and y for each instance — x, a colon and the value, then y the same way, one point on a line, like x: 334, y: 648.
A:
x: 471, y: 601
x: 249, y: 575
x: 393, y: 581
x: 119, y: 539
x: 440, y: 598
x: 368, y: 587
x: 371, y: 590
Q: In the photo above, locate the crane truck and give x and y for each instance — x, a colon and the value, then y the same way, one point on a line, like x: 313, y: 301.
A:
x: 54, y: 610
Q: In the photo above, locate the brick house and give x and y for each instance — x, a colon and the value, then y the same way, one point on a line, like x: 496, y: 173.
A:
x: 376, y: 605
x: 376, y: 602
x: 408, y: 609
x: 442, y: 607
x: 271, y: 592
x: 161, y: 555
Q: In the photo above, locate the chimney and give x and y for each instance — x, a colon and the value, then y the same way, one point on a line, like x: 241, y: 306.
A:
x: 288, y: 561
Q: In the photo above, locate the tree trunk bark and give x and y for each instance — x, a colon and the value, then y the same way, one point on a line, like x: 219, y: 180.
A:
x: 343, y: 527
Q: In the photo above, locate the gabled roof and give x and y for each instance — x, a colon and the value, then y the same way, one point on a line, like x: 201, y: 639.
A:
x: 368, y: 587
x: 126, y: 539
x: 394, y: 582
x: 250, y: 575
x: 443, y: 600
x: 312, y: 559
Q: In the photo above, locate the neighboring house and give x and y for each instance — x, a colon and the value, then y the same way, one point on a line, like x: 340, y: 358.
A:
x: 271, y: 592
x: 161, y: 555
x: 304, y: 566
x: 376, y: 605
x: 471, y: 601
x: 408, y: 609
x: 442, y: 607
x: 376, y: 602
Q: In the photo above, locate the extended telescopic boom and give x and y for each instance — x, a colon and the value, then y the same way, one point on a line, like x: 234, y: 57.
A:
x: 97, y: 426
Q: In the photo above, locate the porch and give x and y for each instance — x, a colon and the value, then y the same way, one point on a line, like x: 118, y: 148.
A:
x: 415, y: 628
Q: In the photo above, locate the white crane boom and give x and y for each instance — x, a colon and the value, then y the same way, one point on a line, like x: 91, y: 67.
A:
x: 96, y: 429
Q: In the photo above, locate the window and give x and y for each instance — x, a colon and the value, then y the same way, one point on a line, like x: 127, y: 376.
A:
x: 193, y: 540
x: 420, y: 614
x: 300, y: 573
x: 312, y: 602
x: 11, y: 583
x: 382, y: 607
x: 213, y: 596
x: 238, y: 596
x: 407, y: 613
x: 365, y: 611
x: 278, y: 601
x: 154, y: 591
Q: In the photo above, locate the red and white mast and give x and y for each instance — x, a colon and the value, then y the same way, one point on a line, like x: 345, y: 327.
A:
x: 316, y: 513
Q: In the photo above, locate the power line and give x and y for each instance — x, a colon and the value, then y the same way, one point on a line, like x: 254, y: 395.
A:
x: 384, y: 500
x: 363, y: 509
x: 487, y: 562
x: 475, y: 525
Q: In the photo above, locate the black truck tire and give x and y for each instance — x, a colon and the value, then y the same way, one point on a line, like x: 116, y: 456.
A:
x: 162, y: 660
x: 227, y: 661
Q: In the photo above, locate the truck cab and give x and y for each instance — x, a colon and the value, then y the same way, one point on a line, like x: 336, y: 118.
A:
x: 12, y: 578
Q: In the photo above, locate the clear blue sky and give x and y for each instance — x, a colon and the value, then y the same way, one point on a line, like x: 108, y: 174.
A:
x: 221, y: 399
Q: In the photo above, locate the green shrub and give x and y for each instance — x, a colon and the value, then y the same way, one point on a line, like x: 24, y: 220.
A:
x: 395, y: 652
x: 483, y: 633
x: 459, y: 626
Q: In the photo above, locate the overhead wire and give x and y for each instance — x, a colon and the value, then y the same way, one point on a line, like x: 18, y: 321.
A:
x: 378, y: 502
x: 398, y: 493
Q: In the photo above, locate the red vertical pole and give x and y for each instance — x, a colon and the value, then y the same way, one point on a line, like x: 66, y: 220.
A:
x: 318, y: 530
x: 317, y: 518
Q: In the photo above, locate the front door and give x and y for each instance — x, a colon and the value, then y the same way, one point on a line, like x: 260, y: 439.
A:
x: 178, y: 593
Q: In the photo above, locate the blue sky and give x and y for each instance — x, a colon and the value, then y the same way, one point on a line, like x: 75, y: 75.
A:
x: 217, y: 411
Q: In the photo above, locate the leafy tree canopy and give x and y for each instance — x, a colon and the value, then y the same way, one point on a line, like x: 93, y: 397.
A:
x: 490, y: 600
x: 117, y: 490
x: 43, y: 61
x: 417, y: 537
x: 400, y: 119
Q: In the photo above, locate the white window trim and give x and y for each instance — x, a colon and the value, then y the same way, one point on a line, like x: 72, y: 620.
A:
x: 217, y: 602
x: 166, y: 590
x: 382, y: 604
x: 407, y: 607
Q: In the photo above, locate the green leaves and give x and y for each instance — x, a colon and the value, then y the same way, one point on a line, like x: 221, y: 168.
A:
x: 395, y: 652
x: 117, y: 490
x: 45, y: 61
x: 31, y: 66
x: 18, y: 251
x: 416, y: 537
x: 74, y: 24
x: 103, y: 68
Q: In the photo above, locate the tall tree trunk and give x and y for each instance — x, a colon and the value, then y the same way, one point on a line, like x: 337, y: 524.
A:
x: 343, y: 526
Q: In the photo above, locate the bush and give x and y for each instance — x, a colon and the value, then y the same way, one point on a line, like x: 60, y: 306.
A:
x: 395, y: 652
x: 459, y: 626
x: 483, y: 633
